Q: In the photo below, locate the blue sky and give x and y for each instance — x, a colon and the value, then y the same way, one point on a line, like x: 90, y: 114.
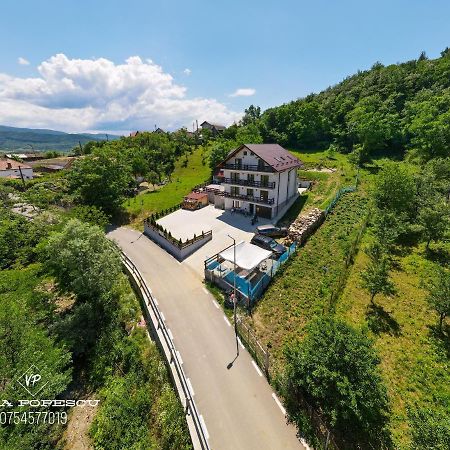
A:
x: 280, y: 49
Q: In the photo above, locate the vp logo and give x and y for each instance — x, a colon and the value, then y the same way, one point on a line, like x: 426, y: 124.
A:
x: 31, y: 381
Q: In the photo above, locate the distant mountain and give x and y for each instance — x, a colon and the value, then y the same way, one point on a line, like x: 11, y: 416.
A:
x: 29, y: 139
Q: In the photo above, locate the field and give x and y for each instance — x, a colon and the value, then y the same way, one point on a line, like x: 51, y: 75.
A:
x: 183, y: 180
x: 415, y: 359
x: 304, y: 287
x: 326, y: 182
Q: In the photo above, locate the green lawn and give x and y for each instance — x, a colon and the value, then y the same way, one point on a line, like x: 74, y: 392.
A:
x: 325, y: 184
x: 183, y: 180
x: 415, y: 359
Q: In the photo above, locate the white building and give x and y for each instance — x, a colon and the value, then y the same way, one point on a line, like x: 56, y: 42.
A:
x: 260, y: 179
x: 10, y: 168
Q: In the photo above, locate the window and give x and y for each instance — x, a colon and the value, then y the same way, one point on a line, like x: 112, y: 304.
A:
x: 250, y: 192
x: 264, y: 180
x: 245, y: 153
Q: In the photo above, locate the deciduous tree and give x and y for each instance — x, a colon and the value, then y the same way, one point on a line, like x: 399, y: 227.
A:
x: 336, y: 370
x: 439, y: 294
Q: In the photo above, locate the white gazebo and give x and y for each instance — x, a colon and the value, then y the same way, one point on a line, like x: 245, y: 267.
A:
x: 248, y: 256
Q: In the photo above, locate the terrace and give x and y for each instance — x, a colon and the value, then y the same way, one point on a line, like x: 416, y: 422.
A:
x: 255, y: 268
x: 248, y: 167
x: 251, y: 183
x: 250, y: 198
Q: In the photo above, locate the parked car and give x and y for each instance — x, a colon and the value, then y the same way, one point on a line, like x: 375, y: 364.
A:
x: 272, y: 230
x: 267, y: 243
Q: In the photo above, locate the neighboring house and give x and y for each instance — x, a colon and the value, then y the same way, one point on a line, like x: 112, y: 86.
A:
x: 260, y: 179
x: 26, y: 156
x: 10, y: 168
x: 159, y: 130
x: 50, y: 168
x: 134, y: 133
x: 213, y: 127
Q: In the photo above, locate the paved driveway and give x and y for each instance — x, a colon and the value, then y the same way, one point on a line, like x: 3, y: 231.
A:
x: 184, y: 224
x: 237, y: 403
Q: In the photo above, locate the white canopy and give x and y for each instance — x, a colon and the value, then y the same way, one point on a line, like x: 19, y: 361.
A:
x: 248, y: 256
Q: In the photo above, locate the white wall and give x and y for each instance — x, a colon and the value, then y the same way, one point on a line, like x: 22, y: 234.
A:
x: 27, y: 173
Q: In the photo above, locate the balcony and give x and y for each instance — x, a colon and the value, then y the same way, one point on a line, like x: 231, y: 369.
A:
x: 257, y: 184
x: 250, y: 198
x: 247, y: 167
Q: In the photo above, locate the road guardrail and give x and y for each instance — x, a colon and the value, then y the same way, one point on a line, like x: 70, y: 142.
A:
x: 165, y: 341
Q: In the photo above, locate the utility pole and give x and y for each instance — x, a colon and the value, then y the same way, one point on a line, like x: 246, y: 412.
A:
x: 21, y: 176
x: 234, y: 294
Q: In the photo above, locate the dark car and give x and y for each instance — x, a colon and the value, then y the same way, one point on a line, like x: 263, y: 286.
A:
x: 267, y: 243
x: 272, y: 230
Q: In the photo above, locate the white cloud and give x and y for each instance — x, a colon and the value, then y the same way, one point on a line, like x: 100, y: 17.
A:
x: 243, y: 92
x: 23, y: 61
x: 187, y: 71
x: 97, y: 94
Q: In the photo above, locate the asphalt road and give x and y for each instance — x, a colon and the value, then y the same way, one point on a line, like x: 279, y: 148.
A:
x: 237, y: 403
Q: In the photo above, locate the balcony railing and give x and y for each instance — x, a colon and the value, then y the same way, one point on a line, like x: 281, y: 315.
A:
x: 250, y: 198
x: 249, y: 167
x: 257, y: 184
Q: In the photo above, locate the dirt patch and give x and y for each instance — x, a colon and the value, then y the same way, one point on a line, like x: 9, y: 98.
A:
x: 76, y: 436
x: 321, y: 169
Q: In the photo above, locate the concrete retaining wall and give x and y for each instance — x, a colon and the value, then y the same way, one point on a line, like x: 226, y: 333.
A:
x: 174, y: 250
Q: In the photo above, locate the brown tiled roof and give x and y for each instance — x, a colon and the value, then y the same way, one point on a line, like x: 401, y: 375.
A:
x: 196, y: 195
x: 273, y: 154
x: 11, y: 164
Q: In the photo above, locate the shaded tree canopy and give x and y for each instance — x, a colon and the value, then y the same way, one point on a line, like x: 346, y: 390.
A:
x: 390, y: 109
x: 336, y: 370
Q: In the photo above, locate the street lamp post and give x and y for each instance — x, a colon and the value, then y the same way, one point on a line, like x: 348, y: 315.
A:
x: 234, y: 293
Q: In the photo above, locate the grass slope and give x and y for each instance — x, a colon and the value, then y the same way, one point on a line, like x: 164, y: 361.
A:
x: 325, y: 184
x: 183, y: 180
x: 415, y: 359
x: 303, y: 288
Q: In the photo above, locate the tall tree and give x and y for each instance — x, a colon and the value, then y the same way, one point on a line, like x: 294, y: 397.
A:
x: 375, y: 278
x: 251, y: 115
x: 434, y: 219
x: 336, y: 370
x: 395, y: 189
x: 101, y: 179
x: 83, y: 260
x: 439, y: 294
